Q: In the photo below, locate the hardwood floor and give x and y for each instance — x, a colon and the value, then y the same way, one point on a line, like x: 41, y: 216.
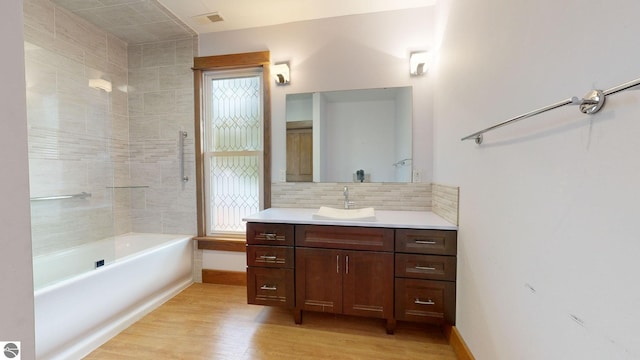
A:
x: 208, y: 321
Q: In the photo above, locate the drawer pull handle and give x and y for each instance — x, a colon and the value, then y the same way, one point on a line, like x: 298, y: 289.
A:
x: 269, y: 287
x: 426, y: 242
x: 426, y: 268
x: 269, y: 236
x: 428, y: 302
x: 267, y: 257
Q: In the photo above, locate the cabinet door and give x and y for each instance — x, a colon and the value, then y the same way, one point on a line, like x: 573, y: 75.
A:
x: 319, y: 280
x: 368, y: 284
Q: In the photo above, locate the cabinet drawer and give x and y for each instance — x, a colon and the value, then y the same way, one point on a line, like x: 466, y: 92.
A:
x: 270, y: 256
x: 273, y: 287
x: 434, y: 267
x: 270, y: 234
x: 440, y: 242
x: 425, y: 301
x: 345, y: 237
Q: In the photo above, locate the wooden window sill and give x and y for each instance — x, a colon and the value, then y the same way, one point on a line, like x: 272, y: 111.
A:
x: 222, y: 244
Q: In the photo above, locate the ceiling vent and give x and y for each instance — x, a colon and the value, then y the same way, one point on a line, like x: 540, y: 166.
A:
x: 208, y: 18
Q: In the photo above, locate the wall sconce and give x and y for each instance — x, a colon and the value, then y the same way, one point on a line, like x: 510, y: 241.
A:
x: 418, y: 63
x: 281, y: 73
x: 101, y: 84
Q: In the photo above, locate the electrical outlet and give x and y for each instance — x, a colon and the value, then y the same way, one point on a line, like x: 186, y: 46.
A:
x: 282, y: 175
x: 417, y: 176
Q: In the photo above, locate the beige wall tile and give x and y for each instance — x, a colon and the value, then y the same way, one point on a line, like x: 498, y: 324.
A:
x: 175, y: 77
x: 382, y: 196
x: 445, y: 201
x: 39, y: 15
x: 117, y: 51
x: 160, y: 102
x: 134, y: 56
x: 79, y: 32
x: 144, y: 79
x: 159, y: 54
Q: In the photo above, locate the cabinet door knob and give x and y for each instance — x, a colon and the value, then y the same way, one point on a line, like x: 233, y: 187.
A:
x: 268, y: 257
x: 269, y: 287
x: 428, y: 302
x: 269, y: 236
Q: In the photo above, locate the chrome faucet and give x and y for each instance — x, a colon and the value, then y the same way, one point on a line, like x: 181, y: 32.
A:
x: 347, y: 203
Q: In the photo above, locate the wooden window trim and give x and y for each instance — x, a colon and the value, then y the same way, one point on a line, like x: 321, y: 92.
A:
x: 225, y: 62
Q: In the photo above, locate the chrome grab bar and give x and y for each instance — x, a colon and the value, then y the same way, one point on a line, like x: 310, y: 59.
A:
x: 183, y: 135
x: 82, y: 195
x: 590, y: 104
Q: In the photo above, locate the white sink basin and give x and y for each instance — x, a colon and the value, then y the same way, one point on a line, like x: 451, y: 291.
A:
x: 364, y: 214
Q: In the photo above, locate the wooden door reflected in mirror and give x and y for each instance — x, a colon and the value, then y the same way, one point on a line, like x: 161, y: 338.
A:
x: 300, y: 151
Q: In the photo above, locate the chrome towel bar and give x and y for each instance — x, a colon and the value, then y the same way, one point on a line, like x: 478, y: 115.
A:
x: 590, y: 104
x: 82, y: 195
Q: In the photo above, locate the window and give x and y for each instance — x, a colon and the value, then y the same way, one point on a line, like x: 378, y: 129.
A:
x: 232, y: 123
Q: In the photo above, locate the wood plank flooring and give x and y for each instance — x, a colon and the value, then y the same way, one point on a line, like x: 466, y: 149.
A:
x: 208, y: 321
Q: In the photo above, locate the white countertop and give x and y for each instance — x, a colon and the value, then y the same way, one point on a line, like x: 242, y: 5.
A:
x: 384, y: 218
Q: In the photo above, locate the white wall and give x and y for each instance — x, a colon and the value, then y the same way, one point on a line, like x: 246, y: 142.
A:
x: 351, y: 52
x: 550, y: 203
x: 16, y: 275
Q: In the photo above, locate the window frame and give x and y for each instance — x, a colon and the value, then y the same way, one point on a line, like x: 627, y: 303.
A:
x: 259, y: 59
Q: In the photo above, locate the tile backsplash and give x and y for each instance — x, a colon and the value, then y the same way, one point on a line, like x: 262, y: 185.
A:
x: 441, y: 199
x: 445, y: 201
x: 382, y: 196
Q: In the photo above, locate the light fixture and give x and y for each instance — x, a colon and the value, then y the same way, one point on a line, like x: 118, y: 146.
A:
x: 101, y: 84
x: 418, y: 63
x: 281, y: 73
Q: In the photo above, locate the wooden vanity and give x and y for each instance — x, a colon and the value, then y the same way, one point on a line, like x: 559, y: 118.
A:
x: 400, y: 267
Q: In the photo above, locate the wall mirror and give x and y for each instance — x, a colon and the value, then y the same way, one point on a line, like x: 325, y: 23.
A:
x: 361, y: 135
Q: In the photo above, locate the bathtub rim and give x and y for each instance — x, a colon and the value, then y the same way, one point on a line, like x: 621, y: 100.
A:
x: 131, y: 257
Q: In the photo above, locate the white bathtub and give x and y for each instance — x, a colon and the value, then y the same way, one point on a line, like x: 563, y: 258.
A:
x: 75, y: 315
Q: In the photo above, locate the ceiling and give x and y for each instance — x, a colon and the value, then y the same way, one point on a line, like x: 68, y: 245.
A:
x: 242, y: 14
x: 139, y: 21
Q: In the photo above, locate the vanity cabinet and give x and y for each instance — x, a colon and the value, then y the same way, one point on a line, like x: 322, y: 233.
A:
x: 425, y: 274
x: 344, y: 270
x: 270, y: 264
x: 380, y: 272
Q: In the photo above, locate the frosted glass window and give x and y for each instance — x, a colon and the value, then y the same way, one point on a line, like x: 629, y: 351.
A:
x: 233, y: 149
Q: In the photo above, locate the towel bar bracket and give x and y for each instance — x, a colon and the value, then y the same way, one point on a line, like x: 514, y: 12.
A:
x: 592, y: 102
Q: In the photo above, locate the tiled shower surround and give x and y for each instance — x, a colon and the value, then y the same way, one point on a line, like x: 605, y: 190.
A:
x: 160, y: 106
x: 83, y: 139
